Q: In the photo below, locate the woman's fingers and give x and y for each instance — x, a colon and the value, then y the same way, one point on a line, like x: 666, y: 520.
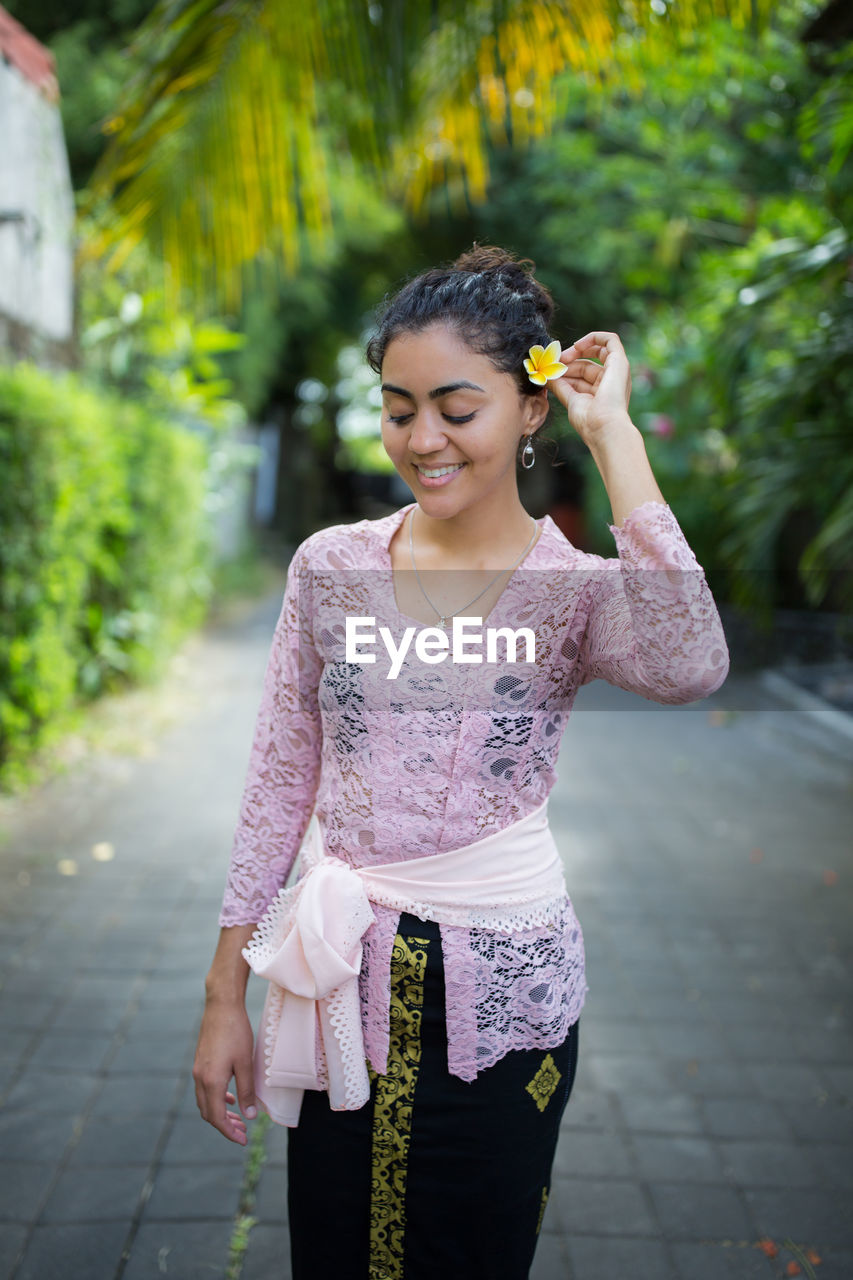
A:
x: 597, y: 383
x: 592, y: 344
x: 586, y: 371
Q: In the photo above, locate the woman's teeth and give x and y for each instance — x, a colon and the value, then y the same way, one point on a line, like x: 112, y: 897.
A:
x: 439, y: 471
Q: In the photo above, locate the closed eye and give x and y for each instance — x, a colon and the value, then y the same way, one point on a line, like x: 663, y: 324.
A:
x: 404, y: 417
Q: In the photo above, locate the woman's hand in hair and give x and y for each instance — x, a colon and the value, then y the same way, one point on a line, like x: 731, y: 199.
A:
x: 596, y: 386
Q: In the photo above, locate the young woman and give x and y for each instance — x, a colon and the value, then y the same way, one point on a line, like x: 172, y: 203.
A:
x: 426, y: 971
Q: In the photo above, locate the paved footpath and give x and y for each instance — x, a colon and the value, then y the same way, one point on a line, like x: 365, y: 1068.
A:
x: 709, y: 858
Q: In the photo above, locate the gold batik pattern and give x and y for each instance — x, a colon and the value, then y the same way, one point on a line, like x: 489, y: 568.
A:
x: 544, y: 1083
x: 392, y: 1110
x: 542, y: 1208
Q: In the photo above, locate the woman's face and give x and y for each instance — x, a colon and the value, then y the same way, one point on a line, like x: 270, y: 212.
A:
x: 446, y: 408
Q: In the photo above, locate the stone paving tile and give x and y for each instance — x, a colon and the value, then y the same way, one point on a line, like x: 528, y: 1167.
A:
x: 118, y: 1139
x: 24, y: 1190
x: 624, y: 1072
x: 19, y: 1013
x: 817, y: 1216
x: 604, y: 1258
x: 158, y: 1022
x: 686, y: 1040
x: 60, y: 1251
x: 841, y: 1080
x: 550, y: 1262
x: 751, y: 1042
x: 819, y: 1120
x: 184, y: 1250
x: 132, y: 956
x: 740, y: 1118
x: 589, y: 1110
x: 686, y: 1157
x: 834, y: 1163
x: 603, y: 1206
x: 88, y: 1016
x: 166, y: 1055
x: 26, y: 985
x: 836, y: 1264
x: 276, y: 1145
x: 729, y: 1008
x: 28, y: 1135
x: 268, y: 1254
x: 77, y: 1052
x: 12, y: 1239
x: 653, y: 1113
x: 13, y: 1045
x: 828, y: 1046
x: 65, y: 1092
x: 597, y: 1155
x: 712, y: 1079
x: 739, y: 1260
x: 785, y: 1081
x: 134, y: 1095
x: 603, y: 1035
x: 186, y: 1192
x: 96, y: 1194
x: 193, y: 1141
x: 271, y: 1195
x: 690, y: 1210
x: 769, y: 1164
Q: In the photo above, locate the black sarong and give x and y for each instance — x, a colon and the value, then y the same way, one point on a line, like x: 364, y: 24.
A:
x: 434, y: 1178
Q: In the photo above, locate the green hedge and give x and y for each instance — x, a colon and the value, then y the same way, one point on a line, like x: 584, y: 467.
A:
x: 104, y: 547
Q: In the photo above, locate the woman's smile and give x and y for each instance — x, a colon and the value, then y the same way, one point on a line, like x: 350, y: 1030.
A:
x: 435, y: 477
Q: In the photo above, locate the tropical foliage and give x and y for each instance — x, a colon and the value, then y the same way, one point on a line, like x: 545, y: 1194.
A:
x: 240, y: 123
x: 708, y: 225
x: 104, y: 547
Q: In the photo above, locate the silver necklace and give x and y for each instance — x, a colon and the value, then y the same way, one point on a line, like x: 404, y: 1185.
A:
x: 444, y: 616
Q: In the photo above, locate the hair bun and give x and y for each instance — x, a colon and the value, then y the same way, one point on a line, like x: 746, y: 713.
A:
x: 514, y: 273
x: 489, y: 297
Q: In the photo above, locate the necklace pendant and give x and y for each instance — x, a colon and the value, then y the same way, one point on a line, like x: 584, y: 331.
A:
x: 443, y: 622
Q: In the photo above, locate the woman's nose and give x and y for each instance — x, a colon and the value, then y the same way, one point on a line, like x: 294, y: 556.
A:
x: 427, y: 433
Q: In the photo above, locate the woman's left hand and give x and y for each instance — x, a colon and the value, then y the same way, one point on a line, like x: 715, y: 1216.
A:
x: 596, y: 396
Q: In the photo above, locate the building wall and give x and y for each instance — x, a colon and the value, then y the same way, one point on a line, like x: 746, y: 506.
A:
x: 37, y: 247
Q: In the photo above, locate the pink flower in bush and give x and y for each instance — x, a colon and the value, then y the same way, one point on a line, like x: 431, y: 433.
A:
x: 662, y: 425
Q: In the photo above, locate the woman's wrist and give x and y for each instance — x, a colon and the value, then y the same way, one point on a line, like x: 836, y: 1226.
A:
x: 225, y: 989
x: 612, y: 433
x: 619, y: 452
x: 228, y: 974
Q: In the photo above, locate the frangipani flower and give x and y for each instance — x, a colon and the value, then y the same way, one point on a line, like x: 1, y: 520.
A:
x: 544, y: 363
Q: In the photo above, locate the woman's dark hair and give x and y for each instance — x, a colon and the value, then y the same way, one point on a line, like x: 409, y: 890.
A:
x: 490, y: 297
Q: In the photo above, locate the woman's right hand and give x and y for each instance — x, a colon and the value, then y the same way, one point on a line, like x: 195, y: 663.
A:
x: 224, y: 1050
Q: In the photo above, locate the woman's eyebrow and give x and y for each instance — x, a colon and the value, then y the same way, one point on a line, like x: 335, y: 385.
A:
x: 433, y: 395
x: 453, y: 386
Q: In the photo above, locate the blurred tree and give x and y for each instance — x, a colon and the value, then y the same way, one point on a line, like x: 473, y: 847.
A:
x: 229, y: 132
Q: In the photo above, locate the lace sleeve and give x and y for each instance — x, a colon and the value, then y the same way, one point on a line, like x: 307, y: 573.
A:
x: 652, y: 626
x: 284, y: 764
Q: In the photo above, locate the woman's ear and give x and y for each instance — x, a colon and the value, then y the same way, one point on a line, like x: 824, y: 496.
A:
x: 536, y: 410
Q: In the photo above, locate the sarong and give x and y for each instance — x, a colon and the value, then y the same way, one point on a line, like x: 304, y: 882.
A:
x: 434, y: 1176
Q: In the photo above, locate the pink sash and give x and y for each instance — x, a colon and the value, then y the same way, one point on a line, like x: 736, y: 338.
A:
x: 308, y: 945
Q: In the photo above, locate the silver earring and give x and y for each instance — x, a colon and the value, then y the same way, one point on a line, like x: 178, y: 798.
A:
x: 528, y: 455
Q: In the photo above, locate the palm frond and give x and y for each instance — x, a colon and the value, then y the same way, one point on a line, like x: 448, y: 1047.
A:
x: 225, y: 139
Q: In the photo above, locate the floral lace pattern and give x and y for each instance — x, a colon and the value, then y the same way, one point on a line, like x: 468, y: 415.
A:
x: 445, y: 754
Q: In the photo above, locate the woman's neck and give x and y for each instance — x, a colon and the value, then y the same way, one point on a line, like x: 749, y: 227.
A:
x: 475, y: 538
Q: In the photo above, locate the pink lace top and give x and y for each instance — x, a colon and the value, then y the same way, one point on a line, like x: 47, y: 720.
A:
x: 446, y: 754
